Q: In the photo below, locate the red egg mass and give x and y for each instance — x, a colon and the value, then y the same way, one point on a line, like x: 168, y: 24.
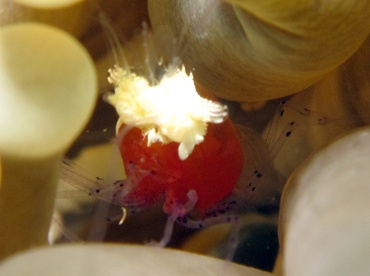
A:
x: 211, y: 170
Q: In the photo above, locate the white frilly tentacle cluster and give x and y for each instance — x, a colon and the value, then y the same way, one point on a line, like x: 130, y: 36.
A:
x: 171, y: 110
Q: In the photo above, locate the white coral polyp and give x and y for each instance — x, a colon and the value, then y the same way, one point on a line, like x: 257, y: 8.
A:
x: 171, y: 110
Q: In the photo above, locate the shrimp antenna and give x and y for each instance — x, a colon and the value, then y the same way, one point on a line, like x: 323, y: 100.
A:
x: 145, y: 33
x: 181, y: 44
x: 114, y: 42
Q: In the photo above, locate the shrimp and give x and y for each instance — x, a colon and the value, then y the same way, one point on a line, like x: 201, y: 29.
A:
x: 180, y: 148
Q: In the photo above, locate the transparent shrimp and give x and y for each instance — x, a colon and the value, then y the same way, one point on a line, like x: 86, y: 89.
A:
x: 259, y: 185
x: 264, y: 168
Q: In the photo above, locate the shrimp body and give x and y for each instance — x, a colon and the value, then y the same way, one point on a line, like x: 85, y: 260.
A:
x: 174, y: 141
x: 211, y: 170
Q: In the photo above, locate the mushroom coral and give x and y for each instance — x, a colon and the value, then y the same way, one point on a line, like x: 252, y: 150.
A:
x: 248, y: 51
x: 48, y: 92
